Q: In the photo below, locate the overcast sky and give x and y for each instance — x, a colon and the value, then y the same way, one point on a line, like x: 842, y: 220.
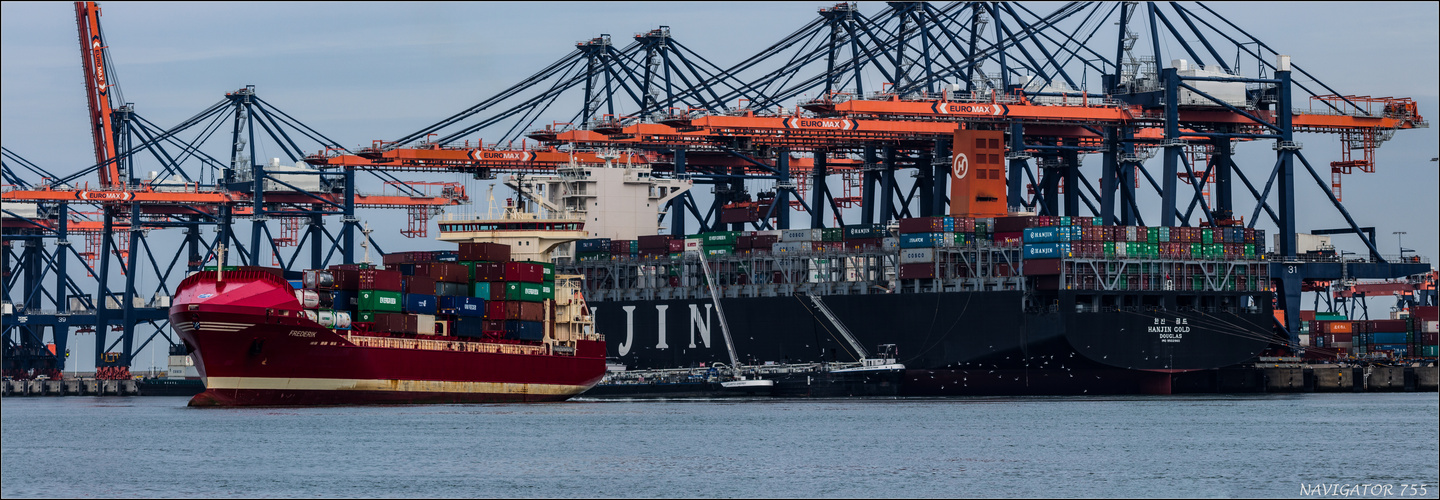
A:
x: 365, y: 71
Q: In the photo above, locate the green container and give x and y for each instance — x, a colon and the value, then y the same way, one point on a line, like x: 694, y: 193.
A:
x: 365, y: 317
x: 480, y: 289
x: 1428, y: 351
x: 832, y: 234
x: 1195, y: 251
x: 1325, y: 316
x: 589, y: 256
x: 1123, y: 282
x: 716, y: 252
x: 1250, y: 250
x: 1109, y: 249
x: 549, y: 269
x: 1207, y: 236
x: 1164, y: 235
x: 215, y: 268
x: 529, y: 292
x: 547, y: 291
x: 379, y: 301
x: 1152, y: 236
x: 719, y: 238
x: 1064, y: 220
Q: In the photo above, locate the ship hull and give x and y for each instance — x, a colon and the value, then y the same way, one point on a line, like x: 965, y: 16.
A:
x: 251, y: 350
x: 949, y: 339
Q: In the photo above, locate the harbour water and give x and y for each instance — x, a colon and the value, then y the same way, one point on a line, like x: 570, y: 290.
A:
x: 1141, y: 446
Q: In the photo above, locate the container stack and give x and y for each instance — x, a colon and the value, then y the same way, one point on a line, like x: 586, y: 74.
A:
x: 475, y: 292
x: 317, y: 297
x: 1427, y: 323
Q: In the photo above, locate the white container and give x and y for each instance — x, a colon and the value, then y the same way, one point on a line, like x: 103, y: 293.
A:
x: 890, y: 243
x: 308, y: 299
x: 426, y: 324
x: 342, y: 319
x: 917, y: 255
x: 692, y: 245
x: 1430, y: 327
x: 801, y: 235
x: 311, y: 315
x: 769, y: 232
x: 790, y: 246
x: 326, y: 318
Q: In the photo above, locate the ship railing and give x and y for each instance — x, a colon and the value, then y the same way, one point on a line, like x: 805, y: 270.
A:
x: 445, y: 345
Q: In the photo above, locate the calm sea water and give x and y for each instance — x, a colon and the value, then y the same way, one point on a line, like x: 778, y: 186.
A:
x: 1207, y: 446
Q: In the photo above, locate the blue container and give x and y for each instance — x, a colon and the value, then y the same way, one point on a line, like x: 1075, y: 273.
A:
x: 445, y: 255
x: 922, y: 240
x: 419, y: 304
x: 297, y: 284
x: 1046, y: 251
x: 593, y: 245
x: 482, y: 289
x: 1400, y: 349
x: 343, y: 300
x: 471, y: 327
x: 524, y: 330
x: 405, y: 269
x: 463, y: 306
x: 1387, y: 337
x: 1050, y: 234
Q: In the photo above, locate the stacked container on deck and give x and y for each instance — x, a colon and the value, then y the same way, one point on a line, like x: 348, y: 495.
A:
x: 1407, y: 335
x: 475, y: 292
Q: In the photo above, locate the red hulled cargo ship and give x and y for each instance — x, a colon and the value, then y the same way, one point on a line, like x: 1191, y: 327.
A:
x: 257, y: 339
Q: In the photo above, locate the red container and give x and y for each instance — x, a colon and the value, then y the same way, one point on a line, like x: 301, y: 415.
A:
x: 922, y: 225
x: 1331, y: 339
x: 380, y: 279
x: 764, y: 241
x: 1389, y: 325
x: 1307, y: 315
x: 1014, y: 224
x: 448, y: 272
x: 1428, y: 338
x: 677, y: 245
x: 489, y: 271
x: 397, y: 323
x: 862, y: 244
x: 494, y: 326
x: 744, y: 242
x: 1426, y: 313
x: 408, y: 257
x: 530, y: 272
x: 1008, y: 239
x: 917, y: 271
x: 346, y: 279
x: 484, y: 252
x: 1041, y: 267
x: 423, y: 285
x: 656, y: 242
x: 502, y: 310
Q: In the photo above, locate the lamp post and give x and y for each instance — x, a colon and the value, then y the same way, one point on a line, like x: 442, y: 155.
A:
x: 1398, y: 243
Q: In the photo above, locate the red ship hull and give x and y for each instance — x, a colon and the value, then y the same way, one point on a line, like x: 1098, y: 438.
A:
x: 254, y: 347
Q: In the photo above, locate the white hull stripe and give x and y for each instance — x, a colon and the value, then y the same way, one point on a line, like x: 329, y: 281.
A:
x: 213, y: 326
x: 344, y: 384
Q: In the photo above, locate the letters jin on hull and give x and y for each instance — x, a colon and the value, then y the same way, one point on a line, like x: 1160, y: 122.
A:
x: 699, y: 323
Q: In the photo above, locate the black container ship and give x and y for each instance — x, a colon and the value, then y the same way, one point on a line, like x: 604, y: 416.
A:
x: 1006, y: 305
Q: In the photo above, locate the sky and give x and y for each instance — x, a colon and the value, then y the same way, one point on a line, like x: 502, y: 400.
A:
x: 359, y: 72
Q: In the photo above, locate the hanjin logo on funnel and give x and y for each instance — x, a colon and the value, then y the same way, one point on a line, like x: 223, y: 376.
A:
x: 482, y: 155
x: 960, y: 166
x: 826, y: 123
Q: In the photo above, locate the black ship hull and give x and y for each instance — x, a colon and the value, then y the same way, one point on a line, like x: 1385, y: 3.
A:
x: 1021, y: 344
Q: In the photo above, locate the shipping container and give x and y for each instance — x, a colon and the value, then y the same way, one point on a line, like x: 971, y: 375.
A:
x: 516, y: 290
x: 469, y: 327
x: 380, y: 279
x: 420, y: 284
x: 914, y: 255
x: 917, y: 271
x: 792, y: 235
x: 592, y: 245
x: 315, y: 279
x: 451, y: 289
x: 497, y: 310
x: 1046, y: 251
x: 1041, y: 267
x: 419, y: 303
x: 864, y: 232
x: 379, y: 301
x: 462, y: 306
x: 655, y: 242
x: 533, y: 331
